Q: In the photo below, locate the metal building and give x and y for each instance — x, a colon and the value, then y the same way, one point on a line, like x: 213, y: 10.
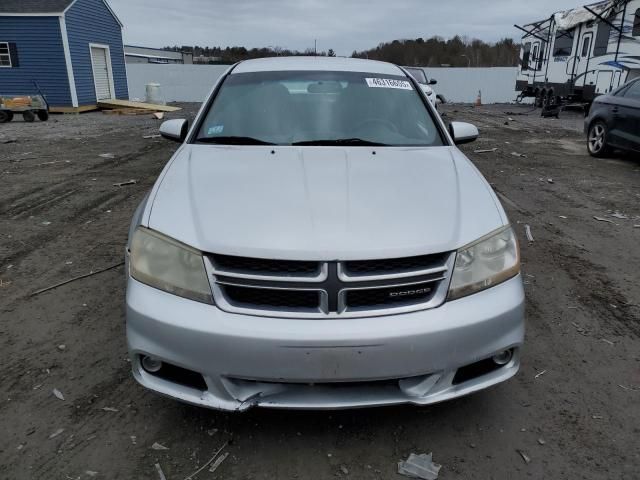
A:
x: 135, y: 54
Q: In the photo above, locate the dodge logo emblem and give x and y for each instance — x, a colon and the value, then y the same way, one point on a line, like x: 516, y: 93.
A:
x: 409, y: 293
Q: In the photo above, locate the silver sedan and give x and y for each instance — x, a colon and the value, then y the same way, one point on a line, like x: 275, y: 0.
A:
x: 318, y: 241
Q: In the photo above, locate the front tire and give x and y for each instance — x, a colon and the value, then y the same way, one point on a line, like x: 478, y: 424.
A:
x: 28, y: 116
x: 43, y: 115
x: 597, y: 140
x: 5, y: 116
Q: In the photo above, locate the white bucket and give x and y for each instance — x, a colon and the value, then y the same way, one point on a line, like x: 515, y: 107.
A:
x: 154, y: 94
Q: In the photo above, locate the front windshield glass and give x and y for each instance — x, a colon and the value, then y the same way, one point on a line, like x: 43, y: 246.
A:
x: 318, y: 108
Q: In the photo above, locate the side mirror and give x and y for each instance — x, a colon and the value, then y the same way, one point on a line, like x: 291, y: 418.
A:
x: 433, y: 81
x: 462, y: 132
x: 175, y: 130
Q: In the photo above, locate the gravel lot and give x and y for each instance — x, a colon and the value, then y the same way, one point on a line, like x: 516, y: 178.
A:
x: 573, y: 408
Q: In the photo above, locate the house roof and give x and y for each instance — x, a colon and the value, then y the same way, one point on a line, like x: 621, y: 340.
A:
x: 34, y: 6
x: 42, y: 7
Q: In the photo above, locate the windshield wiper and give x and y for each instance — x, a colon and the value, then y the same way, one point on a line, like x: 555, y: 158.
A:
x: 233, y: 140
x: 355, y: 142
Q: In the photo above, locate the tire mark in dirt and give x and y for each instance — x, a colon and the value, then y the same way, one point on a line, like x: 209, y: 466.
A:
x: 51, y: 234
x: 126, y: 158
x: 596, y: 291
x: 18, y: 212
x: 22, y: 197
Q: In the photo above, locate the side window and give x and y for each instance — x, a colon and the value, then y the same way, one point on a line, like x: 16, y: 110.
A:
x: 526, y: 53
x: 534, y: 57
x: 5, y: 55
x: 636, y: 24
x: 586, y: 43
x: 633, y: 91
x: 602, y: 39
x: 563, y: 44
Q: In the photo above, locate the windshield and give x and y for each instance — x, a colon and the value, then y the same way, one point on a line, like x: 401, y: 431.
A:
x: 318, y: 108
x: 418, y: 74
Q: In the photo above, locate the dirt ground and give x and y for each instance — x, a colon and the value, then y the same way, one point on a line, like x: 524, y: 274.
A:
x: 573, y: 410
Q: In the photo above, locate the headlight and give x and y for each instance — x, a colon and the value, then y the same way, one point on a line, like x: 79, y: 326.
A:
x: 485, y: 263
x: 168, y: 265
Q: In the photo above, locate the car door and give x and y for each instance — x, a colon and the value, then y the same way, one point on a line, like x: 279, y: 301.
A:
x: 609, y: 110
x: 627, y: 116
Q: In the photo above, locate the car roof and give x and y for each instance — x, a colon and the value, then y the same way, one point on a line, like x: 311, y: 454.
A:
x: 337, y: 64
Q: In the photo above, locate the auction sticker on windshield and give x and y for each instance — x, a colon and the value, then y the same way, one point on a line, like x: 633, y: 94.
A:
x: 388, y: 83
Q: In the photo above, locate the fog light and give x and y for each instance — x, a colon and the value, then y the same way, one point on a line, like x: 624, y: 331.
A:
x: 151, y: 364
x: 503, y: 358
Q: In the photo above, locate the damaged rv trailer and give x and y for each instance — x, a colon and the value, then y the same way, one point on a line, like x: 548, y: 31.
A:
x: 576, y: 55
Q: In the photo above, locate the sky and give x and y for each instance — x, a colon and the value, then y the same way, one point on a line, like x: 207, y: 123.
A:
x: 343, y: 25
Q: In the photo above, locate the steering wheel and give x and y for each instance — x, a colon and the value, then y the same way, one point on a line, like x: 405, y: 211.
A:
x: 379, y: 121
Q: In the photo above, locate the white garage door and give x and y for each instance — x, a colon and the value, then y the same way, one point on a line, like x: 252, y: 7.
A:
x: 101, y: 73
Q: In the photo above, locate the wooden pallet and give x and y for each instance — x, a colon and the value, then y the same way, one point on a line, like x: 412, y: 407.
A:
x: 82, y: 109
x: 119, y: 104
x: 127, y: 111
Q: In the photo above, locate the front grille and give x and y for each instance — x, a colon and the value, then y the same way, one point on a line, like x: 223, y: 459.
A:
x: 309, y: 289
x: 260, y: 266
x: 262, y: 297
x: 393, y: 265
x: 390, y: 296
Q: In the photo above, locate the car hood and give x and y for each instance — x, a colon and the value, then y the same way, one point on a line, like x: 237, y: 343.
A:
x: 426, y: 89
x: 323, y: 203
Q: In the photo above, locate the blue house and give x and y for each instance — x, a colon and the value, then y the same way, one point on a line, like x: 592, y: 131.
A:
x: 72, y: 50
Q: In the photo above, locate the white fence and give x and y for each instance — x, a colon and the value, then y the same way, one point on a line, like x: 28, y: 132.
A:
x: 178, y: 83
x: 192, y: 83
x: 461, y: 85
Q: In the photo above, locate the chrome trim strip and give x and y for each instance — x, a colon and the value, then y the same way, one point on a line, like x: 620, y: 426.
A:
x: 267, y: 287
x: 320, y: 277
x: 343, y: 276
x: 221, y: 301
x: 394, y: 285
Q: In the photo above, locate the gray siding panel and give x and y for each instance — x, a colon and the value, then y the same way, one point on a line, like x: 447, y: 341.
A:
x: 41, y: 55
x: 90, y: 21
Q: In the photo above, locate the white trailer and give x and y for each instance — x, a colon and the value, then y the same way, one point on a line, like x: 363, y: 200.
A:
x: 575, y: 55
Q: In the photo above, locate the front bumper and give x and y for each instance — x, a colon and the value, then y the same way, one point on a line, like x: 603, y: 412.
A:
x: 313, y: 364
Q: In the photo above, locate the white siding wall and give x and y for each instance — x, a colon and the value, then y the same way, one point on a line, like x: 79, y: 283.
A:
x: 192, y: 83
